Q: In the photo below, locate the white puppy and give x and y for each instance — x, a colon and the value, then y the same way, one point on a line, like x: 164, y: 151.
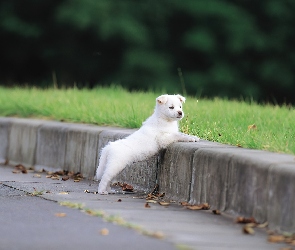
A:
x: 157, y: 132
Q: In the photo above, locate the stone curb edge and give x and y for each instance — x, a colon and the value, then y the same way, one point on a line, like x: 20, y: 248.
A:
x: 239, y: 181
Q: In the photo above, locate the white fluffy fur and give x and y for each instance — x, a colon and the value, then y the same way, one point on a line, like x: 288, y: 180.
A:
x: 157, y: 132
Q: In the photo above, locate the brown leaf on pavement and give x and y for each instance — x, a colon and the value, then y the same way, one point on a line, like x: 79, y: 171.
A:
x: 65, y: 178
x: 104, y: 231
x: 60, y: 214
x: 276, y: 238
x: 217, y: 212
x: 245, y: 220
x: 203, y: 206
x: 184, y: 203
x: 147, y: 205
x: 126, y: 187
x: 163, y: 203
x: 248, y: 230
x: 195, y: 207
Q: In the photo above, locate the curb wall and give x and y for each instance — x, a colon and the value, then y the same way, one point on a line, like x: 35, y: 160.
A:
x: 239, y: 181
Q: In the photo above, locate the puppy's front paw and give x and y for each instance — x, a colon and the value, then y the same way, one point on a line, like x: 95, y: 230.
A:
x: 103, y: 192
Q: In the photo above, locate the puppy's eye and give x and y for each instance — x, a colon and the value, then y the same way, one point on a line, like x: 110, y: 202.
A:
x: 171, y: 107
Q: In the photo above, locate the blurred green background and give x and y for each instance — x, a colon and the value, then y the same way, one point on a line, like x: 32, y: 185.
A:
x: 204, y: 48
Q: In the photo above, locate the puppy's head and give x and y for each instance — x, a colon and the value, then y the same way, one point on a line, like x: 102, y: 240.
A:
x: 170, y: 106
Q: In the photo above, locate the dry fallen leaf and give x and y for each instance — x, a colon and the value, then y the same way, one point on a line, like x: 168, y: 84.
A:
x: 76, y: 180
x: 65, y: 178
x: 147, y: 205
x: 245, y: 220
x: 251, y: 225
x: 263, y: 225
x: 86, y: 191
x: 163, y: 203
x: 158, y: 235
x: 15, y: 171
x: 206, y: 206
x: 63, y: 193
x: 151, y: 201
x: 127, y: 188
x: 119, y: 200
x: 60, y: 214
x: 276, y: 238
x: 20, y: 167
x: 248, y: 230
x: 48, y: 176
x: 195, y: 207
x: 184, y: 203
x: 215, y: 211
x: 289, y: 240
x: 37, y: 176
x: 104, y: 231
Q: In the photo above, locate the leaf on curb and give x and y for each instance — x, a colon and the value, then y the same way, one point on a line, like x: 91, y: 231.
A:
x: 217, y: 212
x: 15, y: 171
x: 204, y: 206
x: 119, y: 200
x: 37, y: 176
x: 155, y: 195
x: 195, y: 207
x: 245, y: 220
x: 184, y: 203
x: 127, y: 188
x: 147, y: 205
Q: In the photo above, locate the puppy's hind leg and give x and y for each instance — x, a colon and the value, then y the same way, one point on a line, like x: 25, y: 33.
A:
x: 102, y: 163
x: 112, y: 169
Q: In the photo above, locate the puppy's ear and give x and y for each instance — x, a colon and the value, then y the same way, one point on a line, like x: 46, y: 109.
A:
x: 181, y: 98
x: 162, y: 99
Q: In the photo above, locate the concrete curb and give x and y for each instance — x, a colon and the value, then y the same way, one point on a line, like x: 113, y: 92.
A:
x: 236, y: 180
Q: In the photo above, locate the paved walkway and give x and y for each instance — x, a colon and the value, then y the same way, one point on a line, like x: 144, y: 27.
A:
x: 39, y: 222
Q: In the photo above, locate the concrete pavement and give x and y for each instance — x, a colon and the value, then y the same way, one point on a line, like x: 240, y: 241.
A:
x: 235, y: 180
x: 31, y: 218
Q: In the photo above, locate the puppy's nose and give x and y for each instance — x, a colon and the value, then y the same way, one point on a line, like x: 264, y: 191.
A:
x: 179, y: 112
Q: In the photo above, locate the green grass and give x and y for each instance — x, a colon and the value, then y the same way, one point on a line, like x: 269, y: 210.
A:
x: 215, y: 120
